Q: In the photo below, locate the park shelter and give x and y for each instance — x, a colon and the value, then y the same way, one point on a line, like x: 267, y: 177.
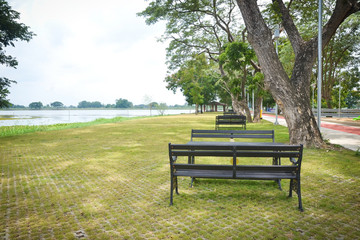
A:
x: 214, y: 106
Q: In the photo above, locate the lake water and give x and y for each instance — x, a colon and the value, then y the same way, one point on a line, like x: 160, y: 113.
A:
x: 48, y: 117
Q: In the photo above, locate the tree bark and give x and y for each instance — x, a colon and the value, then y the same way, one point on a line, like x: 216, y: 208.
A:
x: 292, y: 95
x: 257, y: 109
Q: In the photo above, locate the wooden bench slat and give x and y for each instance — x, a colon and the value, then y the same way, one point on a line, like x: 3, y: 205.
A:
x: 231, y: 134
x: 239, y: 174
x: 233, y: 131
x: 240, y: 168
x: 205, y: 173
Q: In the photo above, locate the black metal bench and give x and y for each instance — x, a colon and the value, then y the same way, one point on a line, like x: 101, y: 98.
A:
x: 230, y: 113
x: 236, y: 171
x: 232, y: 134
x: 230, y: 120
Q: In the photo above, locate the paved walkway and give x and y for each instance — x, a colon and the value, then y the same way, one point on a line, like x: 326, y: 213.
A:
x: 341, y: 134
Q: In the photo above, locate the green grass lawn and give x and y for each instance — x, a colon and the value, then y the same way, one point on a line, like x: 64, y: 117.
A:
x: 111, y: 181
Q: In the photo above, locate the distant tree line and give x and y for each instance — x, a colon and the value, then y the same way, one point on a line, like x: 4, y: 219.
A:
x: 119, y: 103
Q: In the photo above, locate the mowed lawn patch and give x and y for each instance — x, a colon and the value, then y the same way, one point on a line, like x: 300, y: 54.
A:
x: 112, y: 181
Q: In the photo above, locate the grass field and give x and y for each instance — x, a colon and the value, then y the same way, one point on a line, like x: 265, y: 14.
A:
x: 111, y: 181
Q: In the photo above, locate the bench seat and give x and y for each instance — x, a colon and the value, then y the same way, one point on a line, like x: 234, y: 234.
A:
x: 242, y: 171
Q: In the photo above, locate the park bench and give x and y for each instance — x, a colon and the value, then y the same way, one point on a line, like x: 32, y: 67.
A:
x: 232, y: 134
x: 230, y: 113
x: 230, y: 120
x: 235, y: 171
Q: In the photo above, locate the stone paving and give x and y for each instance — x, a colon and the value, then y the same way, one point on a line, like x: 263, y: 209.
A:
x: 105, y: 182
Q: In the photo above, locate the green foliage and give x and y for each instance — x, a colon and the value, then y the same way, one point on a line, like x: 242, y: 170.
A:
x: 236, y: 60
x: 10, y: 32
x: 236, y: 55
x: 4, y: 91
x: 341, y: 61
x: 36, y: 105
x: 196, y: 79
x: 123, y: 103
x: 353, y: 99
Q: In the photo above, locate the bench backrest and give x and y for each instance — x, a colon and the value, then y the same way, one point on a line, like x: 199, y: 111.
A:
x: 231, y: 134
x: 230, y: 113
x: 293, y: 152
x: 230, y: 117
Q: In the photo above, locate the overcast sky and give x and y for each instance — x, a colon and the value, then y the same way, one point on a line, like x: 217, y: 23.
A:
x: 88, y: 50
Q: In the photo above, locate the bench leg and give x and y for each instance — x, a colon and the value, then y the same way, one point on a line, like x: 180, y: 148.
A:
x: 173, y: 184
x: 277, y: 161
x: 300, y: 203
x: 279, y: 184
x: 295, y: 185
x: 290, y: 189
x: 299, y: 195
x: 171, y: 190
x: 192, y: 181
x: 176, y: 186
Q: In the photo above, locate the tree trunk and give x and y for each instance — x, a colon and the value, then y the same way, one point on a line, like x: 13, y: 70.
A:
x: 245, y: 106
x: 257, y: 109
x: 196, y: 109
x: 241, y: 107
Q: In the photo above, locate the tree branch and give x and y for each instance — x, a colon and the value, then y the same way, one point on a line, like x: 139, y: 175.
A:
x: 290, y: 28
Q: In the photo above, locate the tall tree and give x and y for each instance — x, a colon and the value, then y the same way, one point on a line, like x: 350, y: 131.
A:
x: 10, y: 32
x: 292, y: 94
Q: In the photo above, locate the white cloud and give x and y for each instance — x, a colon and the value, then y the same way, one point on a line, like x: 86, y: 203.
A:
x: 88, y: 50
